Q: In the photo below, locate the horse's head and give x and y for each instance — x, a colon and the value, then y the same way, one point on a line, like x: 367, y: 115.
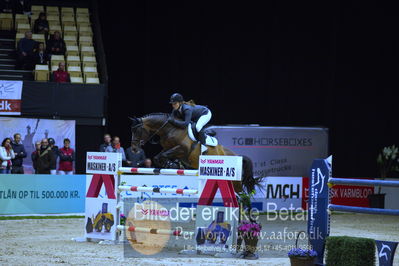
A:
x: 139, y: 133
x: 147, y: 127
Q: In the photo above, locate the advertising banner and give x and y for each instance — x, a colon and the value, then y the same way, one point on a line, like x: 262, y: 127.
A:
x: 102, y: 162
x: 33, y: 130
x: 101, y: 195
x: 276, y: 151
x: 318, y: 217
x: 220, y: 167
x: 42, y: 194
x: 10, y: 97
x: 277, y: 193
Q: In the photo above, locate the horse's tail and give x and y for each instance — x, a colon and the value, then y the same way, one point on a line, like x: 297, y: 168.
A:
x: 248, y: 180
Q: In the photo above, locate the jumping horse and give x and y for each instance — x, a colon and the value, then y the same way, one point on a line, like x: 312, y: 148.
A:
x: 177, y: 145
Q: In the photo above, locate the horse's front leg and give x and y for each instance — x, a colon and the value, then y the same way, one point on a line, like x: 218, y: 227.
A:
x: 161, y: 159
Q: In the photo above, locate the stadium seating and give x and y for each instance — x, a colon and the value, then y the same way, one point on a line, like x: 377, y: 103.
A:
x: 73, y: 60
x: 77, y: 80
x: 6, y: 21
x: 56, y: 59
x: 42, y: 73
x: 92, y: 81
x: 21, y: 19
x: 75, y: 26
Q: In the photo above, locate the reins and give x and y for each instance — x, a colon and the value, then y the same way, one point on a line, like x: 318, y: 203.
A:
x: 155, y: 133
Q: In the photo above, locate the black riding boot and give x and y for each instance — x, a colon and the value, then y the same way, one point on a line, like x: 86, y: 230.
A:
x: 202, y: 139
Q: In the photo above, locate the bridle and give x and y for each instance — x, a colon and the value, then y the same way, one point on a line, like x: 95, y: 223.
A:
x: 140, y: 139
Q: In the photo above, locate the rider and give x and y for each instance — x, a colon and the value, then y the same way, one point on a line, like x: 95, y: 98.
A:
x: 190, y: 112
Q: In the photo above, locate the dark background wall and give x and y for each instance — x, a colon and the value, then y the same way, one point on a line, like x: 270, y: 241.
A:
x: 331, y: 64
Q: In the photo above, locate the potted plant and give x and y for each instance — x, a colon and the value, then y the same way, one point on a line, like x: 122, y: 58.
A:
x: 387, y: 161
x: 249, y: 231
x: 302, y: 257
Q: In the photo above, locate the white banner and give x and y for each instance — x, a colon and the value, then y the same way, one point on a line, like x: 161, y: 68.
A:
x: 220, y: 167
x: 103, y: 163
x: 33, y: 130
x: 10, y: 97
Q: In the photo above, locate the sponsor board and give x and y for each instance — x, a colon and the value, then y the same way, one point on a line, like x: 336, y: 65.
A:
x: 220, y: 167
x: 33, y: 130
x: 10, y: 97
x: 276, y: 151
x: 102, y: 162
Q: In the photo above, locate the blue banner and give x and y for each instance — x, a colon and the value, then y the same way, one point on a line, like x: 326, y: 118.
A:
x: 318, y: 218
x: 386, y: 252
x: 42, y: 194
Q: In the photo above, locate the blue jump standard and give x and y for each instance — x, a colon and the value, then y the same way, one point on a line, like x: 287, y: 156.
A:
x: 343, y: 208
x: 363, y: 182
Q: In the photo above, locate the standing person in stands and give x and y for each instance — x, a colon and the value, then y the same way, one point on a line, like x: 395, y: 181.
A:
x: 35, y: 154
x: 135, y: 156
x: 40, y: 56
x: 44, y: 159
x: 20, y: 154
x: 25, y: 52
x: 54, y: 149
x: 116, y: 147
x: 67, y: 157
x: 106, y: 144
x: 61, y: 75
x: 41, y: 25
x: 6, y: 155
x: 56, y: 45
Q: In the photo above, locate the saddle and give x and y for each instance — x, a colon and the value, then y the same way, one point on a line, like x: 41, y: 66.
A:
x: 210, y: 139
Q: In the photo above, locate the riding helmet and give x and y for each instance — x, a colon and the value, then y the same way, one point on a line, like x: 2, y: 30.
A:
x: 176, y: 97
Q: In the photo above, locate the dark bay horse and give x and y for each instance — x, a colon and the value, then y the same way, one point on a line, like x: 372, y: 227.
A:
x: 176, y: 144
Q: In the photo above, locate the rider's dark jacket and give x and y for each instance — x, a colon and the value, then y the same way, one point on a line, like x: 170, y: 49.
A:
x: 188, y: 114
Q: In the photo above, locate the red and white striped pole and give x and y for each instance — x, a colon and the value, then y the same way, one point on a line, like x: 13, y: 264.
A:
x: 159, y: 190
x: 158, y: 171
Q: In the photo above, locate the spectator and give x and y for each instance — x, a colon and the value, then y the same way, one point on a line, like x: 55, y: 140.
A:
x: 56, y: 45
x: 135, y: 156
x: 116, y: 147
x: 44, y: 159
x: 106, y: 144
x: 67, y: 157
x: 35, y: 154
x: 6, y: 155
x: 54, y: 149
x: 61, y: 75
x: 147, y: 163
x: 40, y: 56
x: 25, y: 51
x: 41, y: 25
x: 20, y: 154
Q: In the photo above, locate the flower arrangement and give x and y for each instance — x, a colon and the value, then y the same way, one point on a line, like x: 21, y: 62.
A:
x: 250, y: 228
x: 388, y: 162
x: 122, y: 219
x: 299, y: 252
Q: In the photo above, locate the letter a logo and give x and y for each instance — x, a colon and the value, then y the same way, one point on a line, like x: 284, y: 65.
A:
x: 96, y: 184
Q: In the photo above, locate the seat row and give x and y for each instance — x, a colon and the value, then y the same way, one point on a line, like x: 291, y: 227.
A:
x: 88, y: 76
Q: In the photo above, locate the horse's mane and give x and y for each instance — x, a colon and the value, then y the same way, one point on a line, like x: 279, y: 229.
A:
x: 155, y: 114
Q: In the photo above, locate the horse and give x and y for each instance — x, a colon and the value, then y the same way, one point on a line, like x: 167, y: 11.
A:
x: 177, y: 145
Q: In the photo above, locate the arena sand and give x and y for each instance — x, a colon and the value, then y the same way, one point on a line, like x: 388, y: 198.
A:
x: 48, y: 242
